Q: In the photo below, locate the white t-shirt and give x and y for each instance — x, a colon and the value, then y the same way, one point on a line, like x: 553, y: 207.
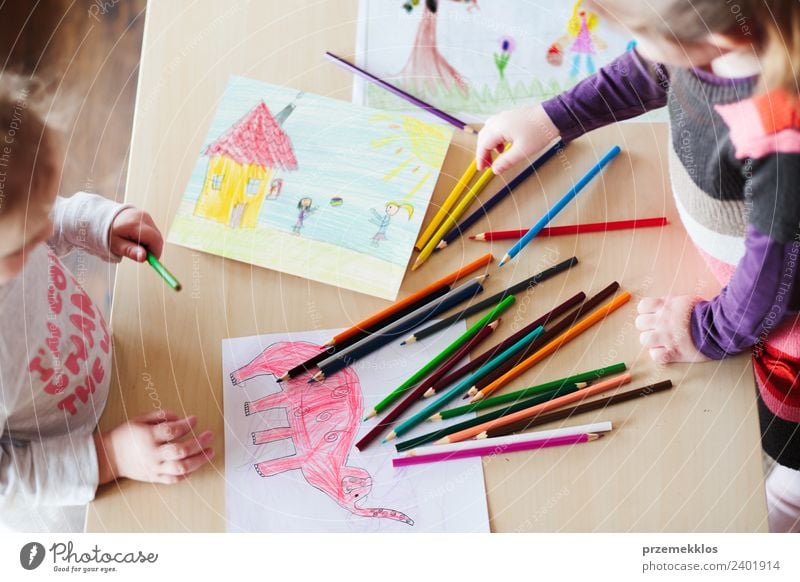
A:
x: 55, y: 366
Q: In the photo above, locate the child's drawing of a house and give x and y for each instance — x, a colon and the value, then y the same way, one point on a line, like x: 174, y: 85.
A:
x: 241, y: 163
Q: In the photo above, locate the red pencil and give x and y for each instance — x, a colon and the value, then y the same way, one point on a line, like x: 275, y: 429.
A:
x: 574, y: 229
x: 417, y: 393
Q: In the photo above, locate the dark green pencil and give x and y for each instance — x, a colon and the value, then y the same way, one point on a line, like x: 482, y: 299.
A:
x: 579, y: 379
x: 162, y: 270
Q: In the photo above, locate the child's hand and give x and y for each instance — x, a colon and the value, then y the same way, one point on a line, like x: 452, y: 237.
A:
x: 133, y: 233
x: 664, y: 323
x: 529, y: 129
x: 148, y: 448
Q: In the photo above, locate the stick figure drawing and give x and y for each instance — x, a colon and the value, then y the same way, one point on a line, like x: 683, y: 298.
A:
x: 383, y: 221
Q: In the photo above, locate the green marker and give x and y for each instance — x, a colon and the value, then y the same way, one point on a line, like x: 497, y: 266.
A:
x: 162, y: 270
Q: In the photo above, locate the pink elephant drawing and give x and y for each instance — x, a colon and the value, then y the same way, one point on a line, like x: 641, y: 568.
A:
x: 323, y: 420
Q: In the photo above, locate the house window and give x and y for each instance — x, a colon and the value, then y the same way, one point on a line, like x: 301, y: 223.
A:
x: 252, y: 186
x: 216, y: 181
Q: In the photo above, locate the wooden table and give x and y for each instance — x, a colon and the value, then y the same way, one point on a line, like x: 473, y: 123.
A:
x: 685, y: 460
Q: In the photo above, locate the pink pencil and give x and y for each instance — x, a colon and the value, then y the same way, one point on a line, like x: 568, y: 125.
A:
x: 486, y: 450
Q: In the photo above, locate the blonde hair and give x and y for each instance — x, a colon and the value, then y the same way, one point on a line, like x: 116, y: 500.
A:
x: 29, y: 146
x: 772, y: 27
x: 574, y: 22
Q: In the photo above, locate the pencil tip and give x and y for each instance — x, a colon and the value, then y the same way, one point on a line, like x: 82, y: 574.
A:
x: 428, y: 393
x: 390, y: 437
x: 441, y: 245
x: 471, y: 130
x: 503, y: 261
x: 471, y: 237
x: 465, y: 396
x: 410, y: 340
x: 178, y: 287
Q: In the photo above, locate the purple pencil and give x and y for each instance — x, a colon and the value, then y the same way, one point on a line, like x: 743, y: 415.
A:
x: 486, y: 450
x: 454, y: 121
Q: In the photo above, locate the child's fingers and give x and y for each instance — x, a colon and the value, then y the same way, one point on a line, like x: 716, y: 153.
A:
x: 176, y: 451
x: 489, y: 139
x: 170, y: 431
x: 645, y: 321
x: 150, y: 237
x: 652, y: 339
x: 510, y: 158
x: 130, y: 250
x: 187, y: 465
x: 661, y: 355
x: 169, y: 479
x: 650, y: 304
x: 157, y: 416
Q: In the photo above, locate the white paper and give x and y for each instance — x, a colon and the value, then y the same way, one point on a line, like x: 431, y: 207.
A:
x: 473, y: 59
x: 443, y: 497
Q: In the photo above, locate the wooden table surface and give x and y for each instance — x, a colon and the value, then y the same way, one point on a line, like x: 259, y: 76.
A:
x: 685, y: 460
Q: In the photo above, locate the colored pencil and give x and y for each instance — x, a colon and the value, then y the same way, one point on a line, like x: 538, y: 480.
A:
x: 523, y: 285
x: 488, y: 450
x: 573, y: 332
x: 449, y: 202
x: 579, y: 409
x: 478, y: 361
x: 329, y: 350
x: 553, y: 331
x: 597, y: 427
x: 494, y: 414
x: 559, y: 206
x: 426, y: 412
x: 392, y: 332
x: 425, y: 370
x: 484, y: 208
x: 574, y: 229
x: 581, y: 380
x: 451, y: 218
x: 412, y: 299
x: 168, y: 277
x: 602, y: 386
x: 412, y: 396
x: 446, y: 117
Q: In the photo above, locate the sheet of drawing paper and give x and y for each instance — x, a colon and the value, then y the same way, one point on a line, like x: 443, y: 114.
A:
x: 311, y: 186
x: 290, y: 460
x: 474, y: 58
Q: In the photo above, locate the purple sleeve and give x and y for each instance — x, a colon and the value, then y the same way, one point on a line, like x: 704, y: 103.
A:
x: 760, y: 293
x: 628, y: 86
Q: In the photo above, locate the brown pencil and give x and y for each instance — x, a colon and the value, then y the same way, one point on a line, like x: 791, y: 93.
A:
x: 477, y: 362
x: 528, y: 423
x: 552, y: 332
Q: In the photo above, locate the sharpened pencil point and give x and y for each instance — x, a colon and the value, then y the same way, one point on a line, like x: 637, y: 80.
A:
x: 504, y: 260
x: 465, y: 396
x: 435, y: 418
x: 370, y: 414
x: 390, y: 437
x: 473, y: 391
x: 441, y: 245
x: 443, y: 441
x: 283, y: 378
x: 409, y: 340
x: 428, y: 393
x: 471, y: 130
x: 482, y: 278
x: 477, y: 398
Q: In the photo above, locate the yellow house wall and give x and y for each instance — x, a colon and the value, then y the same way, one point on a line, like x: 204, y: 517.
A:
x: 217, y: 205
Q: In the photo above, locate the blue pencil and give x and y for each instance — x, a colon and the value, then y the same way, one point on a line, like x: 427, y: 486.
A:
x: 463, y: 386
x: 559, y: 206
x: 460, y: 229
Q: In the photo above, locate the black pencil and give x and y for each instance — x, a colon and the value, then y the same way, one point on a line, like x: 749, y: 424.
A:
x: 392, y: 332
x: 490, y: 301
x: 577, y: 409
x: 329, y: 351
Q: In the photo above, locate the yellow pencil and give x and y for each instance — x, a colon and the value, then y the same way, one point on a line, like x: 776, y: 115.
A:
x: 451, y: 199
x: 445, y: 227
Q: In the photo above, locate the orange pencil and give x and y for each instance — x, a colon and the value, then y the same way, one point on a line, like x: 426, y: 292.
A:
x: 594, y: 389
x: 395, y: 307
x: 572, y: 332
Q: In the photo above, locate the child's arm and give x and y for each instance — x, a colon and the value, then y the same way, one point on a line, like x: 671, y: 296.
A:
x: 104, y: 228
x: 626, y: 87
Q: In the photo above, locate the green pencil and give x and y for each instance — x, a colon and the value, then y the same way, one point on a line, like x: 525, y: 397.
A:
x: 162, y: 270
x: 577, y: 379
x: 442, y: 356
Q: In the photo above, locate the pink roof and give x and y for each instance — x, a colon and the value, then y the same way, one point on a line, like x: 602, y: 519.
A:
x: 256, y: 139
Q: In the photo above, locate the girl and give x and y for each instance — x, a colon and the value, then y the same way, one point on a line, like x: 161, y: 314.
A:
x: 727, y: 72
x: 382, y: 222
x: 304, y: 206
x: 55, y: 349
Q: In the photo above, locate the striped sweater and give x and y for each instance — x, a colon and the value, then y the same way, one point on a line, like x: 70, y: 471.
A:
x: 735, y: 161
